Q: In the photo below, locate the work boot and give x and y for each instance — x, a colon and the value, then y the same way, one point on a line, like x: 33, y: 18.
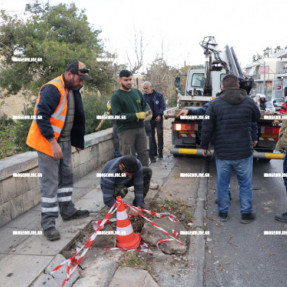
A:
x: 247, y: 218
x: 52, y: 234
x: 281, y: 218
x: 223, y: 217
x: 160, y: 154
x: 78, y: 214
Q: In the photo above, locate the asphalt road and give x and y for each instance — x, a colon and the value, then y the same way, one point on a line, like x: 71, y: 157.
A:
x: 240, y: 254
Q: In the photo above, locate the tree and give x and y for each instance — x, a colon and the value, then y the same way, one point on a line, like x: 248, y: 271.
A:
x: 162, y: 77
x: 138, y: 49
x: 267, y: 51
x: 56, y: 35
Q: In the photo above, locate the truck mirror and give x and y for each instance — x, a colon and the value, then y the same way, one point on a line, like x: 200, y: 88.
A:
x: 177, y: 82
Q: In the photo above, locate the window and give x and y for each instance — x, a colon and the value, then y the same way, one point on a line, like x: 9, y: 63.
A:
x: 197, y: 80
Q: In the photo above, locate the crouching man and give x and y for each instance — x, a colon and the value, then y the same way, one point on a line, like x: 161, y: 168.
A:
x: 132, y: 174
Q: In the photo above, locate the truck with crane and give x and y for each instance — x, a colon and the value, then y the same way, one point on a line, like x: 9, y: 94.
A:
x: 202, y: 85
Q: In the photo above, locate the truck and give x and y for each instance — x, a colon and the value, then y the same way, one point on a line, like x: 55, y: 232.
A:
x: 203, y: 85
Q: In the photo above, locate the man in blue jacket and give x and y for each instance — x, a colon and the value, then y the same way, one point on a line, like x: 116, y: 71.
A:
x: 132, y: 173
x: 229, y: 124
x: 157, y: 104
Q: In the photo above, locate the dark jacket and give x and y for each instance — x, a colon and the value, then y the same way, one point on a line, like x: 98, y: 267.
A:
x: 108, y: 184
x: 202, y: 111
x: 49, y: 101
x: 229, y: 123
x: 157, y: 104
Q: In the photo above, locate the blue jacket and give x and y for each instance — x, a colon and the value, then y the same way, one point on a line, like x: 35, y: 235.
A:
x: 49, y: 101
x: 229, y: 124
x: 158, y: 105
x: 108, y: 183
x: 202, y: 111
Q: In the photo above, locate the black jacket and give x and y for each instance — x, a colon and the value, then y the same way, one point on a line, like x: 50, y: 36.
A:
x: 229, y: 123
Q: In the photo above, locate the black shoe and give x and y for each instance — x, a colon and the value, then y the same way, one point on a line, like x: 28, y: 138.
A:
x: 223, y: 216
x: 281, y: 218
x: 78, y: 214
x: 153, y: 159
x: 52, y: 234
x: 160, y: 155
x: 247, y: 218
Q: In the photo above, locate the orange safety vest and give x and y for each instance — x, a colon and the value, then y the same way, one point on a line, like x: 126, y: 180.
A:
x: 35, y: 139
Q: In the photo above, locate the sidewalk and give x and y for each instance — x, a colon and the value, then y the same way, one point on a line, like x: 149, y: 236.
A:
x: 18, y: 250
x: 24, y: 259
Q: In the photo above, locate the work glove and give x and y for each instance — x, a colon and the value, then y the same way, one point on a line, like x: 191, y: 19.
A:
x: 141, y: 115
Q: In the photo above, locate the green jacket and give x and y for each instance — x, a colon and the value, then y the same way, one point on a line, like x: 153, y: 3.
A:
x: 127, y: 104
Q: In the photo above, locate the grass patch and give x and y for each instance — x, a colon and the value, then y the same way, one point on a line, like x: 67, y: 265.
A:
x: 131, y: 259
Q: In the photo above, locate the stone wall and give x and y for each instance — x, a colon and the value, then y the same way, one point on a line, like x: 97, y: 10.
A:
x: 19, y: 194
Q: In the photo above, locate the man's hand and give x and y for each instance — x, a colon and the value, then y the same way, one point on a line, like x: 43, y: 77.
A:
x: 132, y: 212
x: 141, y: 115
x: 158, y: 119
x: 182, y: 113
x: 78, y: 149
x: 56, y: 149
x: 255, y: 143
x: 204, y: 152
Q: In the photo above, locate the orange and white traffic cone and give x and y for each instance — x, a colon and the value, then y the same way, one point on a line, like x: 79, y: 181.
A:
x: 126, y: 238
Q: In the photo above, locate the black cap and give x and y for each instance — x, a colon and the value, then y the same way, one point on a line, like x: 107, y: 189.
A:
x: 80, y: 69
x: 129, y: 164
x: 125, y: 73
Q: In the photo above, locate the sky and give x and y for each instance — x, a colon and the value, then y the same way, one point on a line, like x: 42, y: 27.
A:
x: 173, y: 29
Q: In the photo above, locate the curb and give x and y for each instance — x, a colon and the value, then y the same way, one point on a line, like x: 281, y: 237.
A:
x: 200, y: 213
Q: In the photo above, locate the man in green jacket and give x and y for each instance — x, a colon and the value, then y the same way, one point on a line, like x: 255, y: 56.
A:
x: 129, y: 103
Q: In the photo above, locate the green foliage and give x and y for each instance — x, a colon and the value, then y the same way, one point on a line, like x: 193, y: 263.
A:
x: 172, y: 101
x: 7, y: 137
x: 22, y: 129
x: 95, y: 106
x: 56, y: 34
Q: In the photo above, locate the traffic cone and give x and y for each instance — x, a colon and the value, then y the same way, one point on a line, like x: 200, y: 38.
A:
x: 126, y: 238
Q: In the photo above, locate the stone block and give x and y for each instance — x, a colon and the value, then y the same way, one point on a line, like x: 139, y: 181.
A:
x: 5, y: 214
x: 132, y: 277
x: 20, y: 270
x: 47, y: 280
x: 28, y: 200
x: 152, y: 235
x: 22, y: 185
x: 9, y: 189
x: 1, y: 193
x: 16, y: 206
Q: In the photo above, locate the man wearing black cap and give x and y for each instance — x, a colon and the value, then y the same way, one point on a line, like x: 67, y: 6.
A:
x: 120, y: 173
x: 60, y: 124
x: 129, y: 103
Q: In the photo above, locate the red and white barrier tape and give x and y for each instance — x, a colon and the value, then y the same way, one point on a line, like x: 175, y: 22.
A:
x: 85, y: 248
x: 98, y: 225
x: 154, y: 224
x: 171, y: 217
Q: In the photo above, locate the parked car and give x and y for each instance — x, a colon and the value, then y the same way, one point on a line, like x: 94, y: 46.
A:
x: 270, y: 107
x: 277, y: 103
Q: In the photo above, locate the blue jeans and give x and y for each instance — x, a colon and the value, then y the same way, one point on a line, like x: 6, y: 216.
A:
x: 243, y: 169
